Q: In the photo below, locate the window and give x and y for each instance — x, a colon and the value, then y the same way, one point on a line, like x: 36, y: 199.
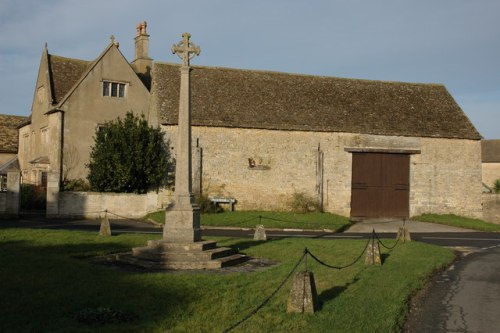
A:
x: 113, y: 89
x: 3, y: 183
x: 44, y: 132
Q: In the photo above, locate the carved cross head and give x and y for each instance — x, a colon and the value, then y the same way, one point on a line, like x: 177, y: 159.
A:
x: 185, y: 49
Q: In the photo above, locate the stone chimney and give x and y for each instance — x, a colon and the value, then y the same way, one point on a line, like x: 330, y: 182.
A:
x: 142, y: 64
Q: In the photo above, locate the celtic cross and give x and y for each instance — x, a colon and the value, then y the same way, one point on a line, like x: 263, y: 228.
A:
x: 185, y: 49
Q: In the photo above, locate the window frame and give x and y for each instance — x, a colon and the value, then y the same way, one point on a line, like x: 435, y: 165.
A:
x: 114, y: 89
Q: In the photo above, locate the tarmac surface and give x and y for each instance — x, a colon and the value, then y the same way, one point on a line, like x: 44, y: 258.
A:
x: 465, y: 298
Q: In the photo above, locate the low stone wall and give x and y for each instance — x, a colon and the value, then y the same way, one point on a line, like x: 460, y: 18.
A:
x: 491, y: 207
x: 3, y: 201
x: 119, y: 205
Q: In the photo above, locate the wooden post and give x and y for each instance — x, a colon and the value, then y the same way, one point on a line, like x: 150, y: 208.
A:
x: 319, y: 177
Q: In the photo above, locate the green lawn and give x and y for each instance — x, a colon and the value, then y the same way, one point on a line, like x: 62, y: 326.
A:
x: 458, y: 221
x: 48, y: 282
x: 249, y: 219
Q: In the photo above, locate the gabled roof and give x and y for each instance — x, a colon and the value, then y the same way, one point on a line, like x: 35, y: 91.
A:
x: 10, y: 165
x: 64, y: 73
x: 9, y: 132
x: 269, y: 100
x: 490, y: 151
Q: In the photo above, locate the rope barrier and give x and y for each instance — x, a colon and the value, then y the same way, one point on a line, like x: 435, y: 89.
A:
x: 125, y: 217
x: 340, y: 267
x: 254, y: 311
x: 381, y: 243
x: 242, y: 221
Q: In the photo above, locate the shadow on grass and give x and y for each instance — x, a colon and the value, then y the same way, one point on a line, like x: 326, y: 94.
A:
x: 244, y: 245
x: 331, y: 293
x: 56, y: 290
x: 384, y: 257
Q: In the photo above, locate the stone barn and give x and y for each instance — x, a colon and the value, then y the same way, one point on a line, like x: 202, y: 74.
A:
x: 361, y: 148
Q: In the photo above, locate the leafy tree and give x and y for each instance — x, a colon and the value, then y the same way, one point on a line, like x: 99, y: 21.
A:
x: 128, y: 156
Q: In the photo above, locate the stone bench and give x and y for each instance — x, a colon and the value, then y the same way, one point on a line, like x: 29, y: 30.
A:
x: 217, y: 201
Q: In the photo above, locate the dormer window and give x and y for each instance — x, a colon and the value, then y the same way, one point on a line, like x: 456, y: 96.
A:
x: 113, y: 89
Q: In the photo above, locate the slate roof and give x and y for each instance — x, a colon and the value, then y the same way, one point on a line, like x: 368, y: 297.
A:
x: 65, y: 72
x: 490, y: 151
x: 281, y: 101
x: 9, y: 132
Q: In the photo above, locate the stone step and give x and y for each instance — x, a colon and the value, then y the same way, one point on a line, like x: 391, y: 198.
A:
x: 232, y: 260
x: 165, y: 264
x: 181, y: 255
x: 196, y: 246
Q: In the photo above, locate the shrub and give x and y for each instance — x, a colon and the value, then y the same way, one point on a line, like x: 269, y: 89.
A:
x: 128, y: 156
x: 496, y: 186
x: 76, y: 185
x: 304, y: 203
x: 206, y: 206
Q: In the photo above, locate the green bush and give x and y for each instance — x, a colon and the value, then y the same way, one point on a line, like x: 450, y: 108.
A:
x: 304, y: 203
x: 128, y: 156
x: 206, y: 206
x: 76, y: 185
x: 496, y: 186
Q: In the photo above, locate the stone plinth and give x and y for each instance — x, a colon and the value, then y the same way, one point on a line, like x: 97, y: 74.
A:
x: 260, y: 233
x: 373, y: 253
x: 303, y: 297
x: 105, y: 229
x: 161, y: 255
x: 404, y: 235
x: 182, y: 225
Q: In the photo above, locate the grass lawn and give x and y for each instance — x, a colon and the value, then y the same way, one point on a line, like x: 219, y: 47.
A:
x: 249, y: 219
x: 49, y: 284
x: 458, y: 221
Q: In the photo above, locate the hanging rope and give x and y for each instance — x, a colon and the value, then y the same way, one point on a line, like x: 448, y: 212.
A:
x: 340, y: 267
x: 254, y: 311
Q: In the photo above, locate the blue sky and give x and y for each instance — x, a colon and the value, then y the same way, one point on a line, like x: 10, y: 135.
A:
x: 453, y: 42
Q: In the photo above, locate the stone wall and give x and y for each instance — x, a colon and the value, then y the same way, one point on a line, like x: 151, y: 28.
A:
x: 445, y: 174
x: 92, y: 204
x: 3, y: 202
x: 491, y: 172
x: 9, y: 200
x: 491, y: 207
x: 446, y: 178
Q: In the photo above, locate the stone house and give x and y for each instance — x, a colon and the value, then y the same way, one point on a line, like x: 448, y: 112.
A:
x: 72, y: 99
x: 365, y: 149
x: 490, y: 156
x: 9, y: 166
x: 8, y: 146
x: 360, y: 148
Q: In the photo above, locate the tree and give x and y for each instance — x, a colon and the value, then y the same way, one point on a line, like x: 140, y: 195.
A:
x: 128, y: 156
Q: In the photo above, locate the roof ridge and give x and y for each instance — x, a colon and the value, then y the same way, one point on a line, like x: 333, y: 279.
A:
x: 264, y: 71
x: 68, y: 58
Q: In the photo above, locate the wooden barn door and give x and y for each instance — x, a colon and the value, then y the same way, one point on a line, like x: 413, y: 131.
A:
x: 380, y: 185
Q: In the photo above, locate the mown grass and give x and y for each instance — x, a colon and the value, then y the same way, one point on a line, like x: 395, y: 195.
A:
x: 249, y: 219
x: 458, y: 221
x: 48, y: 279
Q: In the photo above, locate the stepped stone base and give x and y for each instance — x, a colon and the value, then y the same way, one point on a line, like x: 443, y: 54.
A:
x: 167, y: 255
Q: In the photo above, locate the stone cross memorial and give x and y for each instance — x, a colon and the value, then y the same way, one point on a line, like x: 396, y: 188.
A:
x: 182, y: 221
x: 181, y: 246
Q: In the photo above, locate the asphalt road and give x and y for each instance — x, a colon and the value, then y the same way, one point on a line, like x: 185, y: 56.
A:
x: 475, y: 240
x: 465, y: 298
